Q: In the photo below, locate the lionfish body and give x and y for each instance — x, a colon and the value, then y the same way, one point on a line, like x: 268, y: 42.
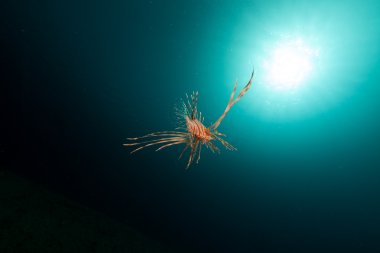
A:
x: 194, y: 133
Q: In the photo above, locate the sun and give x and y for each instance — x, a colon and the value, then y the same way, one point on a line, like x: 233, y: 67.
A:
x: 289, y: 64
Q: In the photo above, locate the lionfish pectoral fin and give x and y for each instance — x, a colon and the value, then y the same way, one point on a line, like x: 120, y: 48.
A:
x: 192, y: 153
x: 199, y: 153
x: 225, y: 144
x: 167, y: 139
x: 183, y: 151
x: 213, y: 148
x: 169, y: 144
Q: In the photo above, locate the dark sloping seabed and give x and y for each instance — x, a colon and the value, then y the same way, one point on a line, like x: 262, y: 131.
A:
x: 32, y: 219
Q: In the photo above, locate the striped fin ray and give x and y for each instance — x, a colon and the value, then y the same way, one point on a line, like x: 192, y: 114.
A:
x: 165, y: 139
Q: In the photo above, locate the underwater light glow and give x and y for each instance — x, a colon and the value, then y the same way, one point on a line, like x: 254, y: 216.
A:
x: 289, y: 64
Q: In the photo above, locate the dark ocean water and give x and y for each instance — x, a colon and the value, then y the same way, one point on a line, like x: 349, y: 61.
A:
x: 82, y: 76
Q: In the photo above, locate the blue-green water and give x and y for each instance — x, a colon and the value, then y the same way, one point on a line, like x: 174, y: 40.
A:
x: 84, y: 76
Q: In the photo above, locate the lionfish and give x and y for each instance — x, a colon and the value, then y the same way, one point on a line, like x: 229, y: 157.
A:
x: 195, y: 133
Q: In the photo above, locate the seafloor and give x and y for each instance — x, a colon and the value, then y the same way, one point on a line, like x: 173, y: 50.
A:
x: 32, y: 219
